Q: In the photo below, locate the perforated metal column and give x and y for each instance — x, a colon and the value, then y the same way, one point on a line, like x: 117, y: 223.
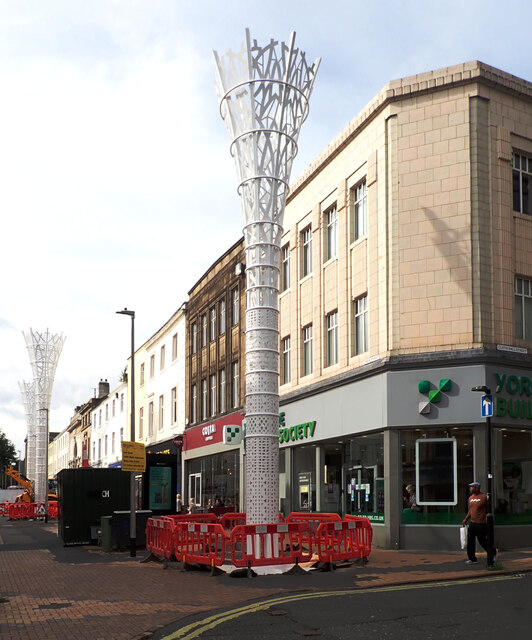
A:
x: 44, y: 349
x: 264, y: 93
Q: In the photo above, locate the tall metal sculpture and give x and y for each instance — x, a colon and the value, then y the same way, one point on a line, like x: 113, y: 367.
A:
x: 264, y: 93
x: 44, y: 349
x: 27, y: 389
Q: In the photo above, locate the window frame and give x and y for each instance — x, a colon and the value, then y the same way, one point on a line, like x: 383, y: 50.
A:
x: 285, y: 267
x: 331, y: 232
x: 306, y: 252
x: 307, y: 342
x: 332, y: 355
x: 285, y: 360
x: 360, y: 315
x: 522, y: 303
x: 359, y: 211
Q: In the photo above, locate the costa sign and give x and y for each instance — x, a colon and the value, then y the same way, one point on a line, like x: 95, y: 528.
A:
x: 211, y: 433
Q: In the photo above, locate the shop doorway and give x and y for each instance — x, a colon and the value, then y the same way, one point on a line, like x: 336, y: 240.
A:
x: 361, y: 490
x: 194, y: 488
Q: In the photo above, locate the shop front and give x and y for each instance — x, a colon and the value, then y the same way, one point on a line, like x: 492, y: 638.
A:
x: 212, y: 461
x: 401, y: 447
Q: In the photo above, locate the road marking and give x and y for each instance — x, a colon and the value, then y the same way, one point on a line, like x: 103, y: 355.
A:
x: 195, y: 629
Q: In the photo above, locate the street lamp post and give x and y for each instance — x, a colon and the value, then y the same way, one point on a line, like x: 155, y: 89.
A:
x: 132, y: 506
x: 47, y: 440
x: 489, y: 516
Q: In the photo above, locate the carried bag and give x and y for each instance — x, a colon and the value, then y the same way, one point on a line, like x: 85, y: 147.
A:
x: 463, y: 537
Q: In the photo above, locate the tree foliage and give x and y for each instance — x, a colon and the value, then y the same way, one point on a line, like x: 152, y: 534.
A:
x: 8, y: 453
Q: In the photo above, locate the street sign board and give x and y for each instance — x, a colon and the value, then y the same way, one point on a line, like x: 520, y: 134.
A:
x: 486, y: 406
x: 133, y: 456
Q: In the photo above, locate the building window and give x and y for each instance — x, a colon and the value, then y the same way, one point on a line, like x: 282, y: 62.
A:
x: 113, y: 443
x: 235, y: 302
x: 94, y: 451
x: 141, y: 422
x: 235, y: 384
x: 203, y: 399
x: 174, y: 405
x: 213, y: 394
x: 106, y: 412
x: 174, y: 346
x: 150, y: 419
x: 163, y: 357
x: 221, y: 382
x: 285, y: 267
x: 307, y: 364
x: 100, y: 418
x: 522, y: 183
x: 121, y: 402
x: 114, y: 407
x: 121, y: 434
x: 331, y: 233
x: 332, y: 339
x: 193, y: 404
x: 223, y: 317
x: 152, y: 366
x: 306, y: 252
x: 285, y: 361
x: 212, y: 324
x: 99, y: 448
x: 359, y: 212
x: 142, y: 374
x: 105, y: 441
x: 204, y: 330
x: 194, y: 338
x: 360, y: 313
x: 161, y: 413
x: 523, y: 309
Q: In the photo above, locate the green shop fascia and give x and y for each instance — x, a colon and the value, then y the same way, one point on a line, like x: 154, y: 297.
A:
x: 298, y: 432
x: 519, y: 405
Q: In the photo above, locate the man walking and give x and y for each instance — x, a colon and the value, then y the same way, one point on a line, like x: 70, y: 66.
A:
x: 477, y: 530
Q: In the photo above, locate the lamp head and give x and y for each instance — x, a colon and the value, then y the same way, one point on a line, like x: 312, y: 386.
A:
x: 482, y: 389
x: 126, y: 312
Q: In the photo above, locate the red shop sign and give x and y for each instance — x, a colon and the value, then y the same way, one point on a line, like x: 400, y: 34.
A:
x: 209, y: 433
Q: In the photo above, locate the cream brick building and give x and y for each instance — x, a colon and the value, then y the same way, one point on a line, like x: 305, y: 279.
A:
x: 407, y: 280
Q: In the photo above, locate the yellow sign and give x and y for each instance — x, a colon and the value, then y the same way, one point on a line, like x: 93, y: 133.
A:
x: 133, y: 456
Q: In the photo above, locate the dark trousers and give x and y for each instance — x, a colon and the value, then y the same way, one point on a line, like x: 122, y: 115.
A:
x: 476, y: 532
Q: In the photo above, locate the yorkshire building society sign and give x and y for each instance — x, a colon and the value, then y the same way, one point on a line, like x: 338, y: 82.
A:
x: 518, y: 400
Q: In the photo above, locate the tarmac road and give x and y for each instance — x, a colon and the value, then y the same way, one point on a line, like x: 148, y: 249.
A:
x: 52, y: 592
x: 486, y: 607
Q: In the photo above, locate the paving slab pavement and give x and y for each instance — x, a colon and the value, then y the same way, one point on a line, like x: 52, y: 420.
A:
x: 51, y: 592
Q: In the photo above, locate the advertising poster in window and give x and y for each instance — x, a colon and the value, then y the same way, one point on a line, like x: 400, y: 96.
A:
x: 160, y: 488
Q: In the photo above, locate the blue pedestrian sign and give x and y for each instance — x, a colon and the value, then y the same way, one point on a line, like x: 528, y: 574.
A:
x: 486, y: 404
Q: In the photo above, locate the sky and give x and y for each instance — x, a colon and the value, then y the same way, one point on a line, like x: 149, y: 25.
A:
x: 117, y: 188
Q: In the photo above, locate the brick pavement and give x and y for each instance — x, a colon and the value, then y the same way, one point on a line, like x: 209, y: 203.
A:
x: 50, y: 592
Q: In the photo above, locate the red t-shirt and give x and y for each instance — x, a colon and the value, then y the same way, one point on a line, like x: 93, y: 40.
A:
x: 478, y: 507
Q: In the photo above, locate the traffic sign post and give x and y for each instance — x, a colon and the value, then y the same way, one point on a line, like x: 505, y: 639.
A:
x: 486, y: 406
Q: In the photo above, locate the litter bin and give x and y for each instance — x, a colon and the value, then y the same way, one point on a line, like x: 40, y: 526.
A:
x: 106, y: 533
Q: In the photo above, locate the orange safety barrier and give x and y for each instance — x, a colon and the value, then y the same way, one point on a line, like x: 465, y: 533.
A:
x: 159, y: 540
x: 267, y: 544
x: 313, y: 521
x: 21, y: 510
x: 193, y: 517
x: 200, y: 542
x: 337, y: 541
x: 230, y: 520
x: 364, y: 534
x: 52, y: 509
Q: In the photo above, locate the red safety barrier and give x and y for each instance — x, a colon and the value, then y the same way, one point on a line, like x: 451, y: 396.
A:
x: 52, y: 509
x: 313, y: 521
x: 337, y: 541
x: 364, y: 534
x: 230, y: 520
x: 159, y: 540
x: 193, y: 517
x: 267, y: 544
x: 21, y: 510
x: 200, y: 542
x: 4, y: 508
